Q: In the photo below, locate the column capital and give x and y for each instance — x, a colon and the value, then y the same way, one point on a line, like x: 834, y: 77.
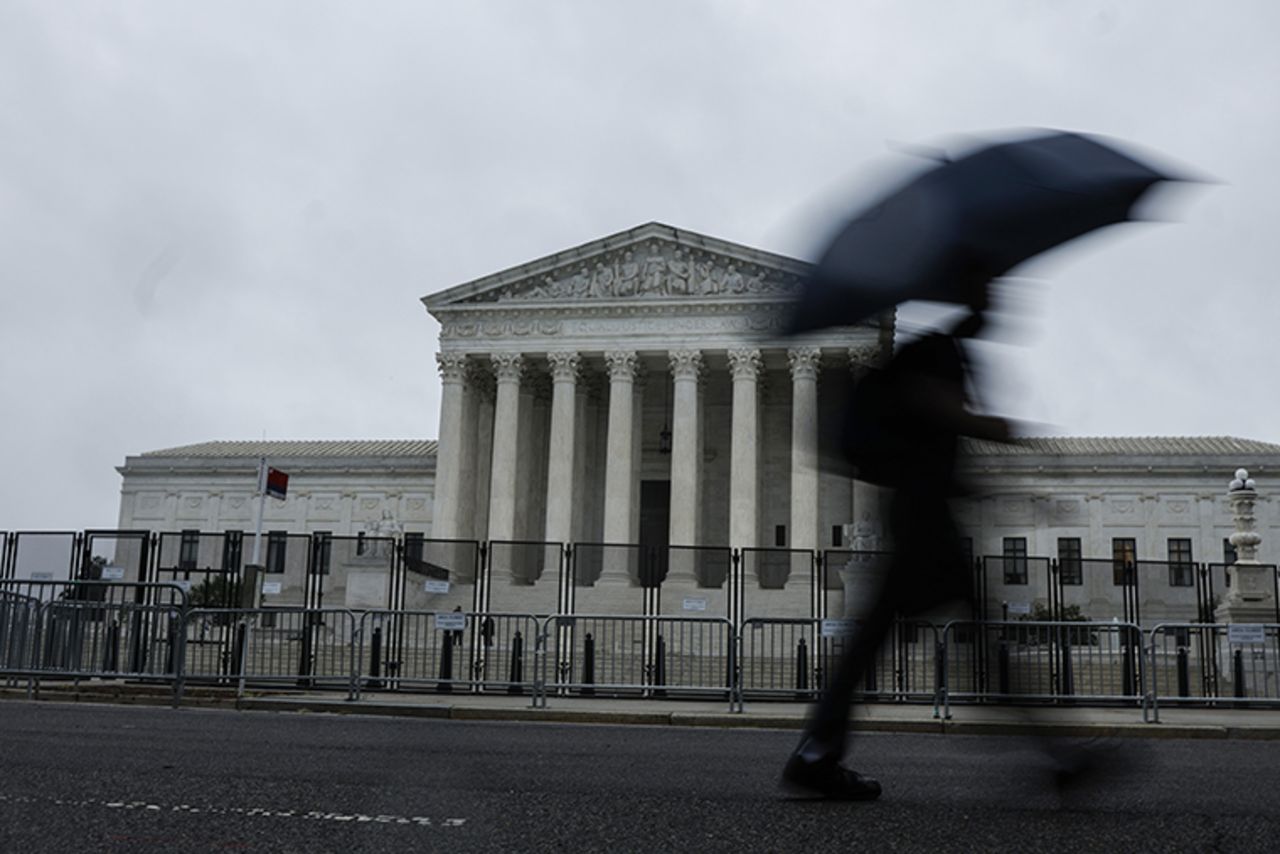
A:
x: 507, y: 367
x: 564, y: 366
x: 866, y: 355
x: 804, y: 362
x: 622, y: 365
x: 745, y: 364
x: 685, y: 364
x: 452, y: 367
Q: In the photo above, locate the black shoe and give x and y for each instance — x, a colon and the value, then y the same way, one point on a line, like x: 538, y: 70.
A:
x: 828, y: 779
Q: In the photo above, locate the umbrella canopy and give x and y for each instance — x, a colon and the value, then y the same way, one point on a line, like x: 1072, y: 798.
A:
x: 970, y: 219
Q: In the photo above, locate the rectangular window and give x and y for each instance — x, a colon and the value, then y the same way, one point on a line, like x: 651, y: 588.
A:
x: 413, y: 545
x: 1124, y: 553
x: 1070, y: 565
x: 837, y: 536
x: 359, y: 543
x: 1181, y: 567
x: 1229, y: 557
x: 232, y: 550
x: 276, y: 543
x: 322, y: 544
x: 1015, y: 560
x: 189, y: 550
x: 780, y: 536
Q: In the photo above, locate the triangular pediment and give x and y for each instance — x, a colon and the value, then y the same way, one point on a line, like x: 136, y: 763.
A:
x: 651, y: 262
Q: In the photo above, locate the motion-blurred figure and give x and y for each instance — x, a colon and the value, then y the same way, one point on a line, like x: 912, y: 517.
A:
x: 943, y: 236
x: 902, y: 433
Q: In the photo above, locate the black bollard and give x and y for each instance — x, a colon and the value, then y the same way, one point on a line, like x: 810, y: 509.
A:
x: 660, y: 667
x: 111, y: 658
x: 870, y: 678
x: 588, y: 665
x: 802, y: 669
x: 375, y: 659
x: 1184, y: 673
x: 445, y: 685
x: 1002, y: 664
x: 1068, y: 669
x: 237, y: 650
x: 1237, y: 671
x: 517, y: 664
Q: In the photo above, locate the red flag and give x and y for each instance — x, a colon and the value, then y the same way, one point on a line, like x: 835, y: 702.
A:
x: 277, y: 483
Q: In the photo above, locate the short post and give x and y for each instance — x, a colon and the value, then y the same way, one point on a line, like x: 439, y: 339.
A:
x: 1184, y: 673
x: 1068, y: 686
x: 588, y: 665
x: 375, y: 659
x: 445, y: 683
x: 802, y: 669
x: 516, y: 675
x: 1237, y: 672
x: 660, y: 667
x: 111, y: 660
x: 1002, y: 666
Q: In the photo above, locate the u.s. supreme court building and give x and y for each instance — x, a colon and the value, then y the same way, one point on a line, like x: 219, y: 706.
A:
x: 623, y: 429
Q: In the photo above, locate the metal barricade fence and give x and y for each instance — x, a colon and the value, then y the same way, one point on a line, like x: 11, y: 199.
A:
x: 1043, y: 661
x: 447, y: 650
x: 78, y: 640
x: 303, y: 648
x: 1233, y: 665
x: 646, y: 656
x: 791, y: 658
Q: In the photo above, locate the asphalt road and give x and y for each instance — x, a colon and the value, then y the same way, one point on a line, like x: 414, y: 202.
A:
x: 110, y: 778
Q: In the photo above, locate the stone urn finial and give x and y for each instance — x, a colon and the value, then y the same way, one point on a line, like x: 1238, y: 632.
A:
x: 1243, y: 496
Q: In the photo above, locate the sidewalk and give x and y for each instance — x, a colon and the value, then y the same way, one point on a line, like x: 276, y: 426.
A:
x: 872, y: 717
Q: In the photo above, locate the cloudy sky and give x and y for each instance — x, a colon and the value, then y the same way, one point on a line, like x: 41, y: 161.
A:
x: 217, y: 219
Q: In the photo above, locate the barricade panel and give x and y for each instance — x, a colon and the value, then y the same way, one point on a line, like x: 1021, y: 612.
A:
x: 448, y: 651
x: 612, y: 655
x: 42, y: 555
x: 524, y: 577
x: 313, y: 648
x: 850, y: 580
x: 695, y: 580
x: 286, y: 560
x: 1227, y: 664
x: 612, y: 578
x: 1016, y: 587
x: 778, y: 583
x: 1044, y: 661
x: 440, y: 575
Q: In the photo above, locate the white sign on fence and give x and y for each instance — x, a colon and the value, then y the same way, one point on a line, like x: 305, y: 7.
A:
x: 1020, y: 608
x: 42, y: 576
x: 112, y: 573
x: 432, y: 585
x: 1247, y: 633
x: 695, y: 604
x: 832, y: 628
x: 451, y: 622
x: 271, y: 588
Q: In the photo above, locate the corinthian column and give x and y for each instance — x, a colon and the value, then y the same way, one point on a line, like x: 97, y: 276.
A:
x: 619, y: 469
x: 804, y: 446
x: 560, y: 463
x: 449, y: 448
x: 867, y: 532
x: 744, y: 365
x: 686, y: 472
x: 507, y: 368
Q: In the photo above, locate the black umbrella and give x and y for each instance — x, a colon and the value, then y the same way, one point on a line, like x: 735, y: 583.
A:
x: 972, y: 218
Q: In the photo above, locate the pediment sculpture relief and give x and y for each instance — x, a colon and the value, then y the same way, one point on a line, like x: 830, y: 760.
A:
x: 654, y: 269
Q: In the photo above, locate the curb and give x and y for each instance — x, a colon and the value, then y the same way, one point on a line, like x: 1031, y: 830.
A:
x: 623, y: 717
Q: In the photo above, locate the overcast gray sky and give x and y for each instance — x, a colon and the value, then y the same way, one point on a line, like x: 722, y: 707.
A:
x: 216, y: 219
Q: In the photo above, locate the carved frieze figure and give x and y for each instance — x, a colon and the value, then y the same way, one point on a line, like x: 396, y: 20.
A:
x: 602, y: 280
x: 628, y: 275
x: 677, y: 273
x: 654, y: 274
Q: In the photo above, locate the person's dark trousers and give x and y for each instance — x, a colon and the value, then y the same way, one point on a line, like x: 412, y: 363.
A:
x: 928, y: 569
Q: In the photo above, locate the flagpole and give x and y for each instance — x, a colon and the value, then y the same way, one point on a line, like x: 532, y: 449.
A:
x: 262, y: 502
